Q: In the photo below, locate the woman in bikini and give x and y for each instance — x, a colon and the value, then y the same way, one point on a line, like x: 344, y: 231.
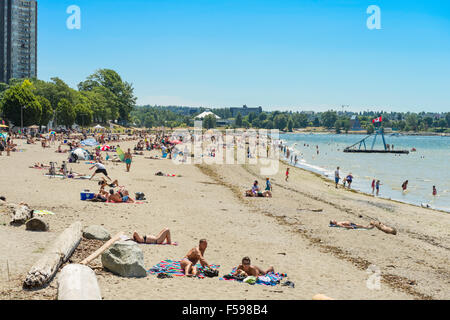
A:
x: 164, y: 235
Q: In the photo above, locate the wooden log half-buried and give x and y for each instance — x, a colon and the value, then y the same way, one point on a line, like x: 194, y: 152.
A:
x: 78, y: 282
x: 102, y: 249
x: 59, y: 252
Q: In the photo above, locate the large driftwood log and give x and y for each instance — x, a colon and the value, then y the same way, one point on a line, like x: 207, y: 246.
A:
x: 46, y: 267
x: 78, y: 282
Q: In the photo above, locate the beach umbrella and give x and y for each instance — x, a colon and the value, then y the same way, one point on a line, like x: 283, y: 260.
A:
x: 33, y: 127
x: 3, y: 126
x: 105, y: 148
x: 176, y: 142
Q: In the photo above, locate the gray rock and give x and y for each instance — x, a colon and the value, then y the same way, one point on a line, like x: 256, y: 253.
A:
x: 96, y: 233
x: 36, y: 224
x: 125, y: 259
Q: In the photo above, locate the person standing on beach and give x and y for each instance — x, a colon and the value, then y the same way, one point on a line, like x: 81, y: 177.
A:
x: 268, y: 185
x: 434, y: 191
x: 128, y: 158
x: 287, y: 174
x: 373, y: 186
x: 100, y: 169
x: 349, y: 180
x: 377, y: 185
x: 337, y: 177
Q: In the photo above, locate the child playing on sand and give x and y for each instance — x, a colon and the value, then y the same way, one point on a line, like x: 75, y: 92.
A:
x: 287, y: 174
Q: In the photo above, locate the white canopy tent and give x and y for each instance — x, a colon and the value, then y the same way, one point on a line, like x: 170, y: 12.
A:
x: 205, y: 114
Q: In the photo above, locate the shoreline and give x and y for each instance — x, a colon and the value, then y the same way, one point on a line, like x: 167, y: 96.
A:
x: 327, y: 179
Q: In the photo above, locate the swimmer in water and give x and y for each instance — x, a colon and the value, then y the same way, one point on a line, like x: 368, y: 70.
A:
x: 434, y: 191
x: 405, y: 185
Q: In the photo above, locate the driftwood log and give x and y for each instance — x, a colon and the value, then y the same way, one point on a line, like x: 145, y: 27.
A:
x: 78, y: 282
x: 60, y: 251
x: 102, y: 249
x: 20, y: 214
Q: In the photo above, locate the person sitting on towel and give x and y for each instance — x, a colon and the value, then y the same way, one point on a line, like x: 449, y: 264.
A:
x: 248, y: 270
x: 164, y: 235
x: 192, y: 257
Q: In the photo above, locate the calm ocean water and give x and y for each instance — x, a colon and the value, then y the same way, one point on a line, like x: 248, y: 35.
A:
x: 427, y: 167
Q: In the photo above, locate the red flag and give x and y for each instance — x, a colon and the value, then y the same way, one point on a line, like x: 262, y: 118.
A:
x: 379, y: 119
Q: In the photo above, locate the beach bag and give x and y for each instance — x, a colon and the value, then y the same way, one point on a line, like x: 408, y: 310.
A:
x: 140, y: 196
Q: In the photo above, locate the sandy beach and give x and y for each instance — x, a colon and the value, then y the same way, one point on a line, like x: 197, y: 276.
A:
x: 289, y: 231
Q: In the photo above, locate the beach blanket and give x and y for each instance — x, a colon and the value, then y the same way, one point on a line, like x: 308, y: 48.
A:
x: 136, y: 202
x: 270, y: 279
x: 174, y: 268
x: 43, y: 212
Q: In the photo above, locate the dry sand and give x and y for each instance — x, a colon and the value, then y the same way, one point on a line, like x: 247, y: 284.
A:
x: 207, y: 202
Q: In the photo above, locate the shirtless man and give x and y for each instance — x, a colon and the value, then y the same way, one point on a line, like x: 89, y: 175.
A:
x: 248, y: 270
x: 192, y: 257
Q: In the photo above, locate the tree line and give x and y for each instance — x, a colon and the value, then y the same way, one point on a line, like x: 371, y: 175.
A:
x: 101, y: 98
x: 173, y: 117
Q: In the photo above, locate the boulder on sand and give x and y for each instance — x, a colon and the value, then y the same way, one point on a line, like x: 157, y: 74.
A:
x: 125, y: 259
x: 36, y: 224
x: 96, y: 233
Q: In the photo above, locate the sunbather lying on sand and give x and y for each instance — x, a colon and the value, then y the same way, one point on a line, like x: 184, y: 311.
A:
x: 248, y: 270
x: 192, y: 257
x: 349, y: 225
x: 383, y: 227
x: 164, y: 235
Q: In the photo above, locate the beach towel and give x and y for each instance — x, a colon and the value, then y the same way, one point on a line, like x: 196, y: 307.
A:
x: 136, y: 202
x: 174, y: 268
x: 270, y: 279
x: 43, y: 212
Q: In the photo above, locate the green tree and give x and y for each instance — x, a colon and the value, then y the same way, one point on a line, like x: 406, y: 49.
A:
x: 21, y: 96
x: 329, y: 119
x: 66, y: 113
x: 209, y: 122
x: 118, y: 93
x: 290, y: 125
x: 280, y: 122
x: 412, y: 121
x: 370, y: 128
x: 316, y: 122
x: 47, y: 111
x: 238, y: 120
x: 447, y: 118
x: 84, y: 115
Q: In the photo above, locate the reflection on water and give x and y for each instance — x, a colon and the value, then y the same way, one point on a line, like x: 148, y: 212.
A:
x: 427, y: 167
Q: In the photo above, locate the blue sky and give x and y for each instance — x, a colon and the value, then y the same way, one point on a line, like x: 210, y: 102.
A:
x: 278, y: 54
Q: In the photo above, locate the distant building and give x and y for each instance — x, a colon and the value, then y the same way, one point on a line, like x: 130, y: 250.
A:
x: 18, y: 39
x: 355, y: 124
x: 245, y: 111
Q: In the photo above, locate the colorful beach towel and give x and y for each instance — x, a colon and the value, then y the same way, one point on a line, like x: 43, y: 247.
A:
x: 174, y: 268
x: 270, y: 279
